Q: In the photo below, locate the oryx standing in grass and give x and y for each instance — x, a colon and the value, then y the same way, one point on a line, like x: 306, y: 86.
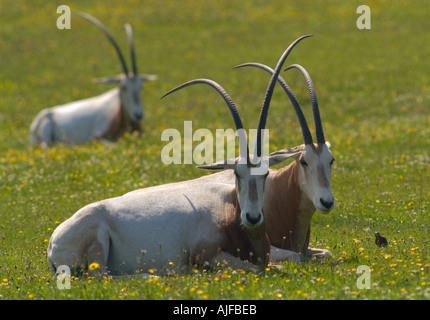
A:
x: 294, y: 193
x: 104, y: 117
x: 180, y: 223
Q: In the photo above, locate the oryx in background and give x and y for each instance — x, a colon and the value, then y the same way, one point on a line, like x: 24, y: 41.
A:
x: 178, y: 224
x: 104, y: 117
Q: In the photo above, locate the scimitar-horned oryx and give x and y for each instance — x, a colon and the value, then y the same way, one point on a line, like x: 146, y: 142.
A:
x: 181, y: 226
x: 294, y: 193
x: 103, y: 117
x: 179, y: 223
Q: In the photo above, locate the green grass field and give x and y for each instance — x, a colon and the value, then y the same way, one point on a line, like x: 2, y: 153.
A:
x: 373, y: 89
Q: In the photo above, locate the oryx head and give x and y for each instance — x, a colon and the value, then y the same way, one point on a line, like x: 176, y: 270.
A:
x: 314, y: 160
x: 250, y: 170
x: 130, y: 83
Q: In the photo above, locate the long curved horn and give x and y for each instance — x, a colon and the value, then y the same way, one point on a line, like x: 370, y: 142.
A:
x: 99, y: 25
x: 302, y: 120
x: 237, y: 120
x: 315, y: 108
x: 269, y: 91
x: 131, y: 46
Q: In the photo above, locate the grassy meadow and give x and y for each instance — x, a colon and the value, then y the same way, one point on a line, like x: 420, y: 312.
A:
x: 373, y: 88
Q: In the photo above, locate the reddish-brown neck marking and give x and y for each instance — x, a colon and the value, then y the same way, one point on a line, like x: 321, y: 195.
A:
x: 119, y: 124
x: 245, y: 243
x: 287, y: 212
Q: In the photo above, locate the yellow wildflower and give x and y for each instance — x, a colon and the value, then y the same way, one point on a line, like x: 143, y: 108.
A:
x: 94, y: 266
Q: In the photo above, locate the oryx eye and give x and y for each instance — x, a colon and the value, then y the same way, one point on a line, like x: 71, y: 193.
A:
x: 332, y: 161
x: 303, y: 162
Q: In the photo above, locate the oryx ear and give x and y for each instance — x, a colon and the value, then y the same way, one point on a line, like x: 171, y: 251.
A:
x: 281, y: 156
x: 148, y: 77
x: 109, y: 80
x: 220, y: 165
x: 285, y: 154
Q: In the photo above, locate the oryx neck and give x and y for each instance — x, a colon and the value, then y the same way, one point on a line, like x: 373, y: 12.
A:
x: 286, y: 210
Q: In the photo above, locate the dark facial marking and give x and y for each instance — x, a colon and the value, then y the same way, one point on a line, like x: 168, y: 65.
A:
x: 253, y: 195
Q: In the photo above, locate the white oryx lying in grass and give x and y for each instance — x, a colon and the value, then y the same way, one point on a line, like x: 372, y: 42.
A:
x: 183, y: 223
x: 294, y: 193
x: 104, y: 117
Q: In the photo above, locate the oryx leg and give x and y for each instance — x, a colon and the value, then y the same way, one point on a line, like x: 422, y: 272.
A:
x: 98, y: 252
x: 226, y: 259
x: 319, y: 253
x: 137, y: 275
x: 277, y: 254
x: 42, y: 130
x: 78, y: 247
